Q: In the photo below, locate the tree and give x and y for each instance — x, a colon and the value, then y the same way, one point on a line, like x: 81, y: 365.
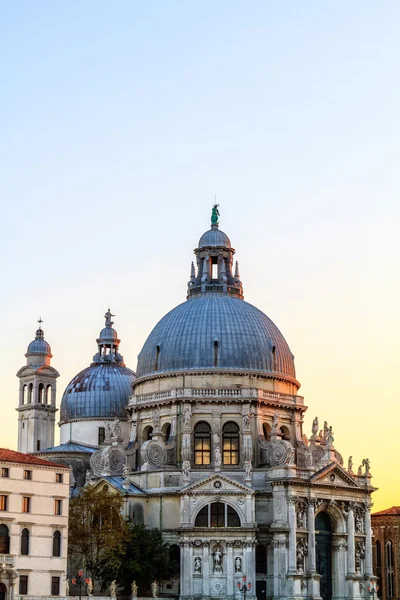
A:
x: 97, y: 529
x: 143, y: 556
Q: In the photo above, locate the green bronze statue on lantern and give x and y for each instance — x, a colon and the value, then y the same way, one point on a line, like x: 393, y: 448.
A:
x: 214, y: 215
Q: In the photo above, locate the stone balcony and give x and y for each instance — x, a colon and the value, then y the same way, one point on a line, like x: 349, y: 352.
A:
x: 7, y: 559
x: 225, y: 394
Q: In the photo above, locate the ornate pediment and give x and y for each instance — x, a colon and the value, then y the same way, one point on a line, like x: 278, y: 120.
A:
x: 29, y: 370
x: 217, y: 484
x: 334, y: 475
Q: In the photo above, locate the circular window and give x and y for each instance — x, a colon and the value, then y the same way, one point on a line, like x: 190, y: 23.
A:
x: 332, y: 477
x: 217, y: 485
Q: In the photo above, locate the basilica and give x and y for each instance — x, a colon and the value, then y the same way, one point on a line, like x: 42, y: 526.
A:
x: 205, y: 441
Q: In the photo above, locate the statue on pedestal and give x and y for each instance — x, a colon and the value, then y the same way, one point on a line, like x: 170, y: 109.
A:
x: 154, y: 589
x: 113, y: 589
x: 134, y: 590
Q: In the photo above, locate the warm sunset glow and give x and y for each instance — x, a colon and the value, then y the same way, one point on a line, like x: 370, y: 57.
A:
x: 119, y: 126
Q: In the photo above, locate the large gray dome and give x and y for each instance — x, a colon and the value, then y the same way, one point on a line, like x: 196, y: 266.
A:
x: 216, y: 332
x: 100, y: 391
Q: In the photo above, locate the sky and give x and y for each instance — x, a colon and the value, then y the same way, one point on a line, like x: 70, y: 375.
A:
x: 122, y: 122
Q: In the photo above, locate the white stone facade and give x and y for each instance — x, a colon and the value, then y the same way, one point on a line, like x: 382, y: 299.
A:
x: 33, y: 537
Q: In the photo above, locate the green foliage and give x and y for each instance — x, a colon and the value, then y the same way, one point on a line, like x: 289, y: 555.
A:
x: 143, y: 557
x: 97, y: 529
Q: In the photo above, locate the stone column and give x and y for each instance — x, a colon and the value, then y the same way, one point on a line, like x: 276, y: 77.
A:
x: 190, y: 573
x: 351, y: 567
x: 206, y: 569
x: 250, y: 565
x: 184, y: 571
x: 292, y: 534
x: 229, y: 569
x: 368, y: 542
x: 312, y: 564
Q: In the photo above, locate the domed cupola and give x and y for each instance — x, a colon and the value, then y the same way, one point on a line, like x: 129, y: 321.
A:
x: 103, y: 389
x: 215, y: 330
x: 39, y: 351
x: 214, y: 257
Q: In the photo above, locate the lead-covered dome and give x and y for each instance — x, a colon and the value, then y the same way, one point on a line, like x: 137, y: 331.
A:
x: 216, y: 332
x: 213, y: 238
x: 39, y: 344
x: 101, y: 390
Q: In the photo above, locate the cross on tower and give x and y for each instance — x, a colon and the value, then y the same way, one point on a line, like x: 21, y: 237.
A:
x: 40, y: 322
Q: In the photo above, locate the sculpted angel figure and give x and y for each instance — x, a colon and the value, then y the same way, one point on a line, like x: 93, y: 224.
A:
x: 366, y: 464
x: 134, y: 589
x: 156, y: 419
x: 116, y: 427
x: 314, y: 428
x: 186, y: 416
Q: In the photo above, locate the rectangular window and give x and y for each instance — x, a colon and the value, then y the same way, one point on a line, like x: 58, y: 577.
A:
x: 217, y: 514
x: 59, y: 477
x: 3, y: 502
x: 23, y: 584
x: 102, y: 435
x: 55, y: 586
x: 26, y: 504
x: 57, y: 507
x: 37, y: 445
x: 5, y: 472
x: 27, y: 474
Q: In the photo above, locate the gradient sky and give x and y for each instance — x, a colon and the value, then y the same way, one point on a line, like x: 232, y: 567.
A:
x: 120, y: 121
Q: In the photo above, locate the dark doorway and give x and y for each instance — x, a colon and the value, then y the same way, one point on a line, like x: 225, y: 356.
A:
x: 3, y: 591
x: 261, y: 590
x: 323, y: 541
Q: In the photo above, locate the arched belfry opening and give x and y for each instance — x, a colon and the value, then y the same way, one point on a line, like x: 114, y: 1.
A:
x: 323, y: 543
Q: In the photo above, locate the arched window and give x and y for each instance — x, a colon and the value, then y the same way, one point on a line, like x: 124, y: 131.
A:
x: 175, y: 558
x: 24, y: 399
x: 285, y: 433
x: 4, y: 540
x: 389, y: 569
x: 267, y: 431
x: 30, y: 393
x: 25, y: 542
x: 56, y: 543
x: 230, y: 444
x: 41, y: 393
x: 378, y: 568
x: 261, y: 559
x: 217, y: 514
x: 202, y: 444
x: 166, y: 431
x: 146, y: 433
x: 48, y: 394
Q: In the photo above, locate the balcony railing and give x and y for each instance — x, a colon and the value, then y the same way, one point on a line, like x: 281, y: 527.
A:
x: 7, y: 559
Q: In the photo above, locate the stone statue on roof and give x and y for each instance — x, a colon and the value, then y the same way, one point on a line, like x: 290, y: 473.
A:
x: 214, y: 215
x: 107, y: 317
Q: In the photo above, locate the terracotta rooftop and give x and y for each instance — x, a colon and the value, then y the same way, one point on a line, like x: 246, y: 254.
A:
x: 7, y: 455
x: 395, y: 510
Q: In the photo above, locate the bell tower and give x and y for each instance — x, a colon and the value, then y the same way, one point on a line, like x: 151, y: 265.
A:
x: 37, y: 397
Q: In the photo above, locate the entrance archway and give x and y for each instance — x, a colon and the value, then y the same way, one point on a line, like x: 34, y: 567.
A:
x: 3, y: 591
x: 323, y: 541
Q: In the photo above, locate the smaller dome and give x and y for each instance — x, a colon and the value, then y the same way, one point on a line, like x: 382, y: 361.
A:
x: 214, y: 237
x: 108, y: 333
x: 39, y: 344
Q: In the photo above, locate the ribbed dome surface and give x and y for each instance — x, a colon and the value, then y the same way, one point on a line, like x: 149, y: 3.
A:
x: 101, y: 390
x: 39, y: 346
x: 246, y: 339
x: 214, y: 237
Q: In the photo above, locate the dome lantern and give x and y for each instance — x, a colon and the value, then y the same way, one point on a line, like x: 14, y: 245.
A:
x: 214, y: 258
x: 108, y: 343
